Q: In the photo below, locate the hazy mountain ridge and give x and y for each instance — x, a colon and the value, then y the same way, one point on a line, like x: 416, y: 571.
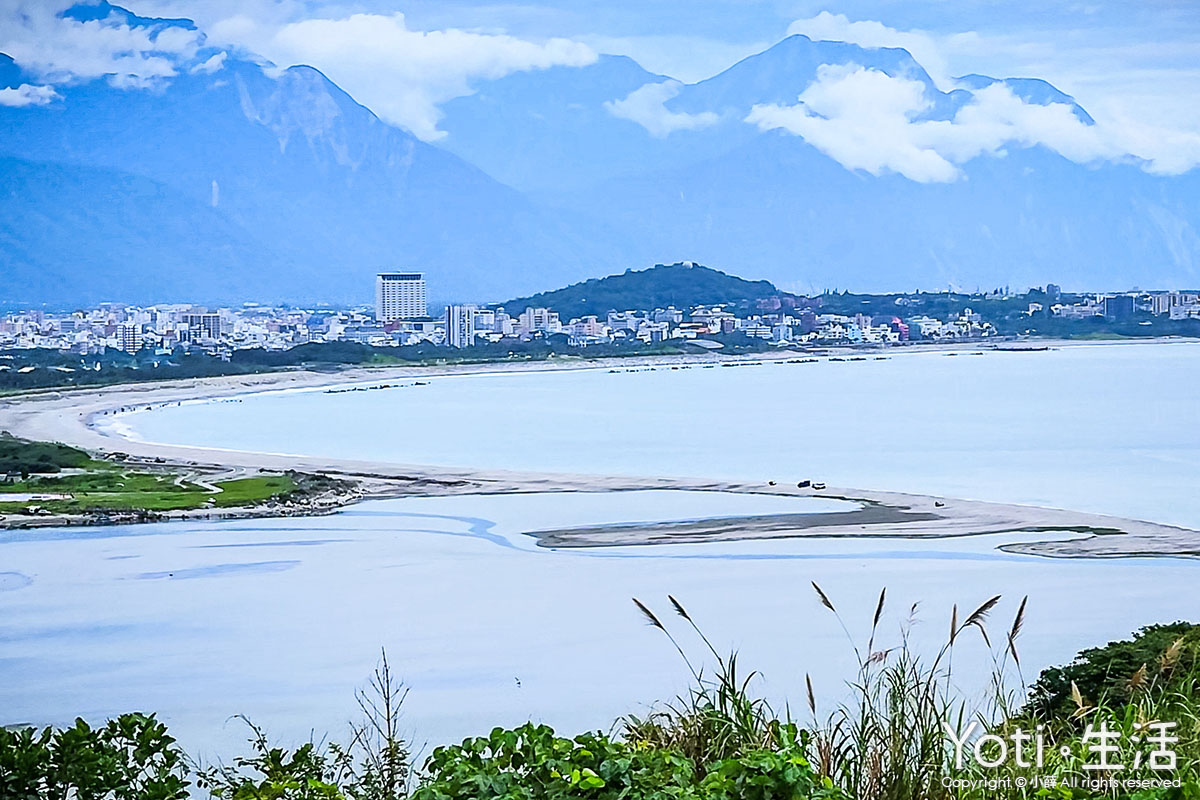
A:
x: 72, y: 234
x: 286, y: 188
x: 773, y: 204
x: 313, y: 191
x: 523, y: 112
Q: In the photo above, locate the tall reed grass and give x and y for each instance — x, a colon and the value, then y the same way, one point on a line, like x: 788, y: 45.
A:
x: 893, y: 736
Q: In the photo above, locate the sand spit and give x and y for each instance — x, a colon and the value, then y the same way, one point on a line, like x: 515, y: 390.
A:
x: 899, y: 515
x: 76, y: 418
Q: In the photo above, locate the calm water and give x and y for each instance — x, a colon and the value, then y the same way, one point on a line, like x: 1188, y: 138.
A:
x: 1105, y: 428
x: 283, y: 619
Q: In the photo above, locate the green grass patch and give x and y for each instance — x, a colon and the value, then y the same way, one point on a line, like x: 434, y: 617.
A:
x: 249, y: 491
x: 98, y: 486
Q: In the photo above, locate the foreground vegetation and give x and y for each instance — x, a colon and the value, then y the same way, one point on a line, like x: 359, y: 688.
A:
x: 47, y: 479
x: 894, y: 739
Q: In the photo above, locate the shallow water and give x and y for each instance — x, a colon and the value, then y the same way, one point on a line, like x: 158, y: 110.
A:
x: 1111, y: 428
x: 282, y: 619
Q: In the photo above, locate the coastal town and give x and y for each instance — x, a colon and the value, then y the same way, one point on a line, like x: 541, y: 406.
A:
x: 401, y: 317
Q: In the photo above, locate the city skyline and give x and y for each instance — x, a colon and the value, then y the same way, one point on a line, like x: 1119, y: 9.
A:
x: 399, y: 317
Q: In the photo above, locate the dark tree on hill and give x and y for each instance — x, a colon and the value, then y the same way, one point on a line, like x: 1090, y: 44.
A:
x: 679, y: 285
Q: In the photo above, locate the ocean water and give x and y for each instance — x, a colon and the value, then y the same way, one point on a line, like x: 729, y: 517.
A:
x: 1104, y: 428
x: 282, y: 620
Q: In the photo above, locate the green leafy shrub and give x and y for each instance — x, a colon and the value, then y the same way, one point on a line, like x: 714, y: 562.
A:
x: 781, y: 774
x: 374, y: 766
x: 531, y: 763
x: 1115, y: 671
x: 131, y: 758
x: 274, y: 773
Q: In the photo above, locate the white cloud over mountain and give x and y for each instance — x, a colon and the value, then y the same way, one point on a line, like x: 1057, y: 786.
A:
x: 646, y: 106
x: 1141, y: 114
x: 868, y: 120
x: 400, y: 73
x: 60, y: 49
x: 861, y: 117
x: 923, y: 46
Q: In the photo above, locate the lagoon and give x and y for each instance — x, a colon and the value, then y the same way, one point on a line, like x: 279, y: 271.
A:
x: 1105, y: 428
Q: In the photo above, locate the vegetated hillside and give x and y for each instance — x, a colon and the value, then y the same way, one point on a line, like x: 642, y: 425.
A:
x: 681, y: 285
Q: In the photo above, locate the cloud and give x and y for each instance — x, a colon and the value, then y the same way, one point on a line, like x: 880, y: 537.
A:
x: 1139, y: 85
x: 58, y: 49
x: 924, y: 47
x: 400, y: 73
x: 27, y: 95
x: 645, y: 106
x: 212, y: 65
x: 868, y: 120
x: 863, y: 119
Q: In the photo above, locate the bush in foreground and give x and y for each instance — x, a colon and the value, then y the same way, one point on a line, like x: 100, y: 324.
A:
x: 531, y: 762
x: 130, y: 758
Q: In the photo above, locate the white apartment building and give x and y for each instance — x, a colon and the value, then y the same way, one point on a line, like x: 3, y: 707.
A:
x: 460, y: 326
x: 399, y: 295
x: 626, y: 320
x: 129, y: 337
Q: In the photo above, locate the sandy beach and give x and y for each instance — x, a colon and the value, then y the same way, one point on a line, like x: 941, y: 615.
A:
x: 78, y: 418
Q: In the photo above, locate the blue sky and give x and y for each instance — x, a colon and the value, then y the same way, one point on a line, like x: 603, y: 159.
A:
x: 1135, y: 66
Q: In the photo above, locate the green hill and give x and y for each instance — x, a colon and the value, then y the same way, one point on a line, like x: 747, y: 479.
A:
x: 680, y: 285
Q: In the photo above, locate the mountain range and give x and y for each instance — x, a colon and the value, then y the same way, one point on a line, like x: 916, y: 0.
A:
x: 240, y: 183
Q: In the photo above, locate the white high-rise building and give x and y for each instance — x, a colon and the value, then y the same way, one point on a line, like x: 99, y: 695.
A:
x: 399, y: 295
x: 129, y: 337
x: 460, y: 326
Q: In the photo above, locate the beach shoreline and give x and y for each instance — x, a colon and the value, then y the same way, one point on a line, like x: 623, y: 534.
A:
x: 77, y: 418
